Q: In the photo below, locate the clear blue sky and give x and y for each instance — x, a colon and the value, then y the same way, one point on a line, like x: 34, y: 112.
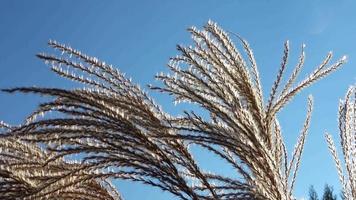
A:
x: 139, y: 36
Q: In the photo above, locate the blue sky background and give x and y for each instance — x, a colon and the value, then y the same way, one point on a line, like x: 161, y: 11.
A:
x: 139, y: 36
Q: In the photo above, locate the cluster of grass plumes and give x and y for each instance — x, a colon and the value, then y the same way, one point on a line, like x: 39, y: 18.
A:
x: 115, y: 130
x: 243, y: 130
x: 27, y: 172
x: 347, y: 128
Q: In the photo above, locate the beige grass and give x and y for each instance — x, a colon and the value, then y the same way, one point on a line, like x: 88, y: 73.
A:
x: 347, y: 128
x: 121, y: 133
x: 25, y: 173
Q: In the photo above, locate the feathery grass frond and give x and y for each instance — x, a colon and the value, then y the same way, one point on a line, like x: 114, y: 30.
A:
x: 115, y: 130
x: 347, y: 128
x: 214, y: 75
x: 25, y: 174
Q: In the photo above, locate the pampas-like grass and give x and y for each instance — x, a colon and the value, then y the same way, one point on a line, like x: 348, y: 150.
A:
x: 118, y: 131
x: 347, y: 128
x: 25, y: 173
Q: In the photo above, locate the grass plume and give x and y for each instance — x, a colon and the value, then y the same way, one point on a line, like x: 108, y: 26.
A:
x: 119, y: 132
